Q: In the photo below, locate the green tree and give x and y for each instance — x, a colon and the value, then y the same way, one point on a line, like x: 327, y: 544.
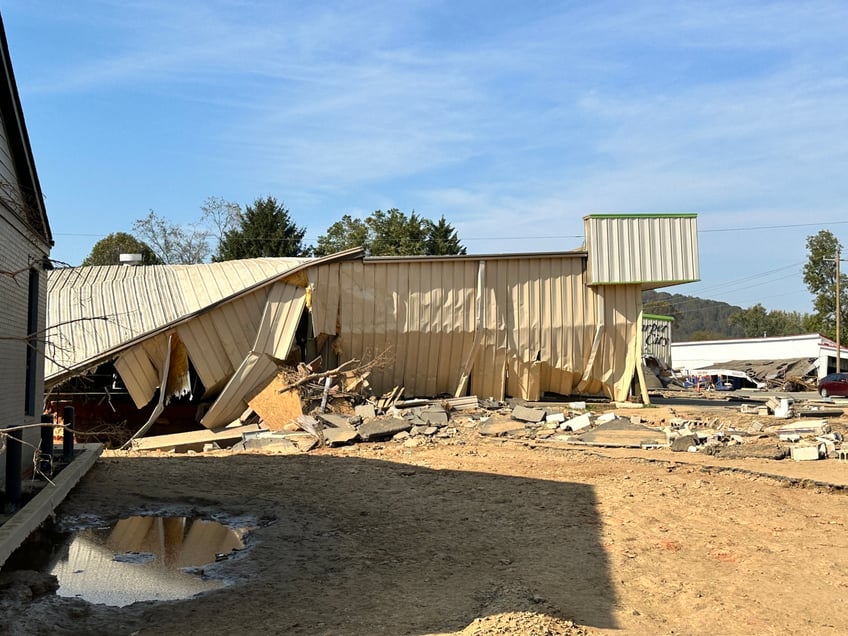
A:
x: 342, y: 235
x: 264, y: 229
x: 442, y: 238
x: 174, y: 244
x: 820, y: 279
x: 391, y: 233
x: 107, y: 250
x: 754, y: 321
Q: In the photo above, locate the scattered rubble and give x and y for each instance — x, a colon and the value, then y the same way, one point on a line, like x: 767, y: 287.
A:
x: 304, y: 408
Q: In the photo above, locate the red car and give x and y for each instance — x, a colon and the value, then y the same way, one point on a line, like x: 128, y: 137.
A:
x: 834, y: 384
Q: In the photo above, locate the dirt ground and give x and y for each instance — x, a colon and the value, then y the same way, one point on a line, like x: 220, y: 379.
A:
x: 472, y: 536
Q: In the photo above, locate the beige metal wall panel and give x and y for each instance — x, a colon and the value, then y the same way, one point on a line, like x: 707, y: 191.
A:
x: 141, y: 366
x: 280, y: 320
x: 543, y: 328
x: 256, y: 370
x: 651, y: 250
x: 615, y: 365
x: 325, y: 284
x: 417, y: 311
x: 218, y: 340
x: 139, y: 374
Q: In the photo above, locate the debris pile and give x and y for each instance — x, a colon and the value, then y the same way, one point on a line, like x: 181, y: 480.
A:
x: 304, y: 408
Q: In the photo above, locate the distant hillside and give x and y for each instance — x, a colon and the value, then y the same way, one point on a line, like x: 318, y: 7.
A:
x: 694, y: 318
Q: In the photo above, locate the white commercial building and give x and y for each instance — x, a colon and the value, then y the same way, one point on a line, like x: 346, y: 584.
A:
x: 698, y: 355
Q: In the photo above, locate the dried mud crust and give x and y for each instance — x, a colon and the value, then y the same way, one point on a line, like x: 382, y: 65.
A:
x: 473, y: 536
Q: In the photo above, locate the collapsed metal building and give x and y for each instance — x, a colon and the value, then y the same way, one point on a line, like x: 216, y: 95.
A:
x: 490, y: 325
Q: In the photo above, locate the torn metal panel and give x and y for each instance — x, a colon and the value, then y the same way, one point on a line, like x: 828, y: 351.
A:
x: 254, y: 373
x: 141, y: 368
x: 274, y: 338
x: 218, y: 339
x: 279, y: 320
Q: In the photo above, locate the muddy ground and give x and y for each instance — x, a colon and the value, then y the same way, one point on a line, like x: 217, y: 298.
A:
x: 473, y: 535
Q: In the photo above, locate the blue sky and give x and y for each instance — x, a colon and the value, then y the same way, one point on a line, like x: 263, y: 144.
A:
x: 514, y: 120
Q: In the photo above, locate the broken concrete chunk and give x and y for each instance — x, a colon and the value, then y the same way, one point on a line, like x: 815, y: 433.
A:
x: 382, y: 428
x: 807, y: 453
x: 803, y: 427
x: 495, y: 428
x: 337, y: 435
x: 606, y: 417
x: 524, y: 414
x: 555, y: 417
x: 577, y: 423
x: 365, y: 411
x: 682, y: 443
x: 332, y: 419
x: 436, y: 418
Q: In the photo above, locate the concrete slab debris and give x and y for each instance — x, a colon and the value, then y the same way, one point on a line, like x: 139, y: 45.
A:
x: 365, y: 411
x: 524, y: 414
x: 194, y: 440
x: 621, y: 432
x: 578, y: 423
x: 683, y: 443
x: 339, y: 435
x: 494, y: 428
x: 333, y: 419
x: 807, y: 453
x: 802, y: 427
x: 382, y: 428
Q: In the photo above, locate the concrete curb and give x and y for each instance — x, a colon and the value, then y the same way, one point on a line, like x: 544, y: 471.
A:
x: 15, y: 531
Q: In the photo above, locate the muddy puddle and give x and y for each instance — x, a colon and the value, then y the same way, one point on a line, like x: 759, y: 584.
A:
x: 142, y: 558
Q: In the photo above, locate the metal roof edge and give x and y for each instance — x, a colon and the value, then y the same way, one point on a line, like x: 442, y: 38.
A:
x: 579, y: 253
x: 69, y: 372
x: 642, y: 215
x: 24, y: 151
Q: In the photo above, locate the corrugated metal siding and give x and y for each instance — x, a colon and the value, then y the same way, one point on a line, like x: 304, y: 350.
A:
x: 140, y: 368
x: 538, y: 327
x: 421, y: 312
x: 256, y: 370
x: 279, y: 321
x: 650, y: 250
x: 273, y: 341
x: 138, y: 300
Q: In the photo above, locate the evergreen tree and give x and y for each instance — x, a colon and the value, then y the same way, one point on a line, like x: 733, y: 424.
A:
x: 442, y: 238
x: 264, y: 229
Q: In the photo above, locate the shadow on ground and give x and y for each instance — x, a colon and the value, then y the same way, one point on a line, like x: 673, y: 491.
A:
x: 356, y: 546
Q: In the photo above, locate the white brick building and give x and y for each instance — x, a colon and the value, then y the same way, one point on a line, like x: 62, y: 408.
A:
x: 25, y: 242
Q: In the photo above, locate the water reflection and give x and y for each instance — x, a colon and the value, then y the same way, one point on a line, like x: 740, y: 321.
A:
x: 143, y: 558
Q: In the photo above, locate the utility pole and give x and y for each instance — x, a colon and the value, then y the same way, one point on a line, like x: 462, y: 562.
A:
x: 837, y: 260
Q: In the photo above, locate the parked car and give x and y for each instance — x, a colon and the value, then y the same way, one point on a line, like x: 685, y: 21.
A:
x: 834, y: 384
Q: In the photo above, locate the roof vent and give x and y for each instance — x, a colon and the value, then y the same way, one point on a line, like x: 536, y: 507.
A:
x: 130, y: 259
